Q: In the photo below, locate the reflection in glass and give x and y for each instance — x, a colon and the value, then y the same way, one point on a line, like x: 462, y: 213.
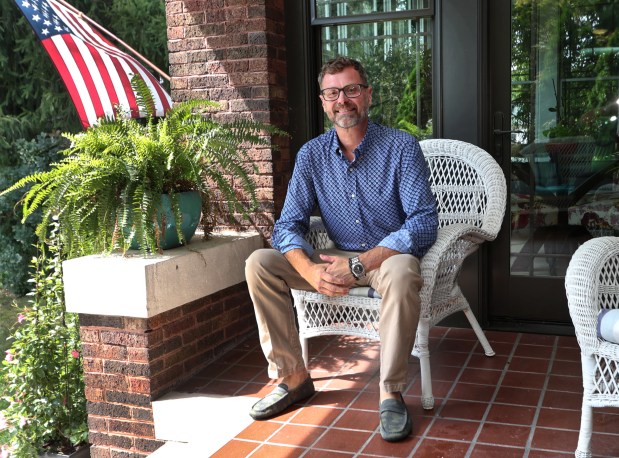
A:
x: 398, y: 59
x: 565, y: 103
x: 339, y: 8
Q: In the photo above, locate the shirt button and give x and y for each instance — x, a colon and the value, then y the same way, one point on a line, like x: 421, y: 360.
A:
x: 357, y: 221
x: 363, y: 245
x: 352, y: 195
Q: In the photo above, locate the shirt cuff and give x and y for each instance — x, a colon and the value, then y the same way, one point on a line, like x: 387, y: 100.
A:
x: 398, y: 242
x: 292, y: 241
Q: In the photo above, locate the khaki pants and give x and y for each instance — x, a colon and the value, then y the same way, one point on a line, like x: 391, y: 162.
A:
x: 269, y: 278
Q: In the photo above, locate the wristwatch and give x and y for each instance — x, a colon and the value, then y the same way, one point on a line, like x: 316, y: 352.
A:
x: 356, y: 268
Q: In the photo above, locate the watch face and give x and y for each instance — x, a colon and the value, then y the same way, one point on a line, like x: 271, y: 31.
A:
x: 357, y: 269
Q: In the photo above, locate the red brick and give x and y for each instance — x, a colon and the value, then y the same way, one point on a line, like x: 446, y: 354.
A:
x: 127, y: 339
x: 92, y: 364
x: 93, y: 394
x: 99, y: 452
x: 132, y: 428
x: 139, y: 385
x: 178, y: 326
x: 104, y: 351
x: 126, y: 368
x: 97, y: 423
x: 147, y: 445
x: 111, y: 440
x: 112, y: 382
x: 89, y: 335
x: 138, y: 355
x: 142, y: 414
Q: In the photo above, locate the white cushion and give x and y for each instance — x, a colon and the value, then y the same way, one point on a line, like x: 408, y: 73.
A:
x: 608, y: 325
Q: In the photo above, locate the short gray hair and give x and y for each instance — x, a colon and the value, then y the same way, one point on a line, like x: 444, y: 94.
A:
x: 340, y: 63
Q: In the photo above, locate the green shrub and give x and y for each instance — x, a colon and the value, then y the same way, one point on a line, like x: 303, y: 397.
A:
x: 16, y: 239
x: 42, y: 372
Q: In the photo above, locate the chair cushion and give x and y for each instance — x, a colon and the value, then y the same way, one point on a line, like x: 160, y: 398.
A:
x: 608, y: 325
x: 364, y: 291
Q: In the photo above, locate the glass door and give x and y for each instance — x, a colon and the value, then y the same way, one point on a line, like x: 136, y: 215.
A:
x: 555, y: 78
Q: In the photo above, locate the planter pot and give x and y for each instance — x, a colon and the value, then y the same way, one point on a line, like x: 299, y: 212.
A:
x: 190, y: 205
x: 83, y: 452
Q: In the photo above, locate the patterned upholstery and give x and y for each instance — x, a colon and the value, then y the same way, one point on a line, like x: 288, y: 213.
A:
x: 471, y: 194
x: 591, y: 285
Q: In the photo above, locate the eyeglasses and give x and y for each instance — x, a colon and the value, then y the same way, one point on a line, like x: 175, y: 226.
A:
x: 351, y: 91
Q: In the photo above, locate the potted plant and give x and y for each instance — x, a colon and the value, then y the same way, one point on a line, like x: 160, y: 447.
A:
x: 107, y: 190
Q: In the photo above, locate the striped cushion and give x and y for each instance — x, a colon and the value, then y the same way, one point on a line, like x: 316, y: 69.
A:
x: 608, y: 325
x: 364, y: 291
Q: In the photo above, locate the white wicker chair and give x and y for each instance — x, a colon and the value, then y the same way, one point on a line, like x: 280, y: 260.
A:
x: 471, y: 194
x: 592, y: 284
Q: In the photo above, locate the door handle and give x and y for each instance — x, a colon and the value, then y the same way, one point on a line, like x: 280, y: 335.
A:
x: 501, y: 132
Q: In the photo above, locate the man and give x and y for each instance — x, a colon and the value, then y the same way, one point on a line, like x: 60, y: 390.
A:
x: 371, y: 185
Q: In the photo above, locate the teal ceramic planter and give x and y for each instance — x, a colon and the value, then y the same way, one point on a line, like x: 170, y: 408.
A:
x: 190, y: 205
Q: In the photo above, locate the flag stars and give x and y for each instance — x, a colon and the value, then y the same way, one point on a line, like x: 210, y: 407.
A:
x: 45, y: 31
x: 25, y: 4
x: 36, y: 17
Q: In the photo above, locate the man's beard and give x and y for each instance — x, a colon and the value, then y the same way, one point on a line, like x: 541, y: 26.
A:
x: 348, y: 120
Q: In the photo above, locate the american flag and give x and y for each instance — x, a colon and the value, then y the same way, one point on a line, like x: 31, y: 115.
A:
x: 96, y: 73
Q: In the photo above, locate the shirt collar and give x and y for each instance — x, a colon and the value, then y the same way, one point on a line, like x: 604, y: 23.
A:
x: 334, y: 143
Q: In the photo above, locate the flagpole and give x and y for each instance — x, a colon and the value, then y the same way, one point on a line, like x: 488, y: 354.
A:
x: 107, y: 32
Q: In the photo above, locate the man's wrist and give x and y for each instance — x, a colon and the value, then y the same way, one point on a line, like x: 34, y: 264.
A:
x: 357, y: 269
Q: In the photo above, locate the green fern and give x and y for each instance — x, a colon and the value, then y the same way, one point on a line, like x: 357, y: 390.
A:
x: 106, y: 190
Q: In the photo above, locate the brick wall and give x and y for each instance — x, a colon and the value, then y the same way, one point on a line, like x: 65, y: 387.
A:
x: 129, y: 362
x: 233, y: 52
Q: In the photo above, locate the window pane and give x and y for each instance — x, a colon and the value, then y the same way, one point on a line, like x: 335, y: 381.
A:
x: 397, y: 56
x: 339, y: 8
x: 565, y: 161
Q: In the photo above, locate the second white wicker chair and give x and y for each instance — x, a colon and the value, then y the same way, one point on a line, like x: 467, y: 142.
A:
x: 592, y: 284
x: 470, y: 191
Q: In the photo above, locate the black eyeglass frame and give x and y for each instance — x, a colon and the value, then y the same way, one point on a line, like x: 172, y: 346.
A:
x: 343, y: 89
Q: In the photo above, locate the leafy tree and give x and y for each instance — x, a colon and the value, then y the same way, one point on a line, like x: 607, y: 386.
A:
x: 31, y: 86
x: 34, y: 100
x: 19, y: 239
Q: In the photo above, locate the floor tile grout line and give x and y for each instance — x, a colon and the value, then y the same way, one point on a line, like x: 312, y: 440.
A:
x: 482, y: 422
x: 346, y: 408
x: 288, y: 421
x: 363, y: 389
x: 540, y: 401
x: 438, y: 411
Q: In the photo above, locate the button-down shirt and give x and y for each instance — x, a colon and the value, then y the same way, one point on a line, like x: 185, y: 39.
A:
x: 381, y: 198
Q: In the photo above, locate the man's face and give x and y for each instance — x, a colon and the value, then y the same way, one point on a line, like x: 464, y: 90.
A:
x: 345, y: 112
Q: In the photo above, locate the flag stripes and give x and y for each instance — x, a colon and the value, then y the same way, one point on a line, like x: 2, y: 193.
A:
x: 97, y: 74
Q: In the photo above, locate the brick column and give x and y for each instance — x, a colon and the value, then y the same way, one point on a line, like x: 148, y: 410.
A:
x: 129, y: 362
x: 148, y: 324
x: 233, y: 52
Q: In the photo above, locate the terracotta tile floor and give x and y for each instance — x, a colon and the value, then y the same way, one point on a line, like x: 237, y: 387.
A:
x: 523, y: 402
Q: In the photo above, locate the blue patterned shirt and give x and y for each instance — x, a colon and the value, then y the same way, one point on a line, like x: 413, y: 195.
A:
x: 382, y: 198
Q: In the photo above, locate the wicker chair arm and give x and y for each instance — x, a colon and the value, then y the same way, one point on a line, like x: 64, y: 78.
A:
x: 449, y: 245
x: 608, y: 350
x: 317, y: 234
x: 589, y: 281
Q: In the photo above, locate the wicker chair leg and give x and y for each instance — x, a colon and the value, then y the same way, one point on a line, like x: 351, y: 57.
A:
x: 583, y: 449
x: 478, y: 332
x: 423, y: 353
x: 305, y: 351
x: 584, y: 438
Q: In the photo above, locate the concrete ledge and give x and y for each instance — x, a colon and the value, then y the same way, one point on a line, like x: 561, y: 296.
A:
x: 141, y: 287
